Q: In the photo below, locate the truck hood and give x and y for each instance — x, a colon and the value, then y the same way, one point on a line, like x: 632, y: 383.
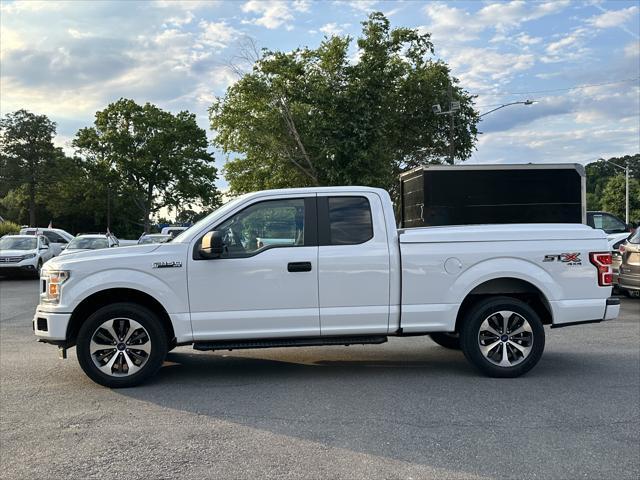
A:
x: 65, y: 262
x: 500, y: 233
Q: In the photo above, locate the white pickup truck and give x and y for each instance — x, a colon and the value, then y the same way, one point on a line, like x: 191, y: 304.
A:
x: 342, y: 274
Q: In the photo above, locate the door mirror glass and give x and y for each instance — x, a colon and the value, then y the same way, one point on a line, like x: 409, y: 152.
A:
x: 212, y: 245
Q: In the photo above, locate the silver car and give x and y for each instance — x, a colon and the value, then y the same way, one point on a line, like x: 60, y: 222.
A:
x: 629, y: 272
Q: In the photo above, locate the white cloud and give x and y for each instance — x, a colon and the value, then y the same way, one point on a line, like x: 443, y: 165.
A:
x: 274, y: 13
x: 333, y: 29
x: 613, y: 18
x: 217, y: 34
x: 632, y: 50
x: 361, y: 6
x: 457, y: 24
x: 481, y: 68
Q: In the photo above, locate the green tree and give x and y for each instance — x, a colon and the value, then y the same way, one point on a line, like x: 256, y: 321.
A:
x: 317, y: 117
x: 601, y: 171
x: 614, y: 197
x: 27, y: 154
x: 151, y: 157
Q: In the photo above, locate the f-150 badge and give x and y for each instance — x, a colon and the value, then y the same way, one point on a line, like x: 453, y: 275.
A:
x: 568, y: 258
x: 167, y: 264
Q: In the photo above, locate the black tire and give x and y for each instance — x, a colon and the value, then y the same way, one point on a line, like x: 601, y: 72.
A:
x: 446, y: 340
x: 470, y: 337
x: 38, y: 269
x: 156, y: 336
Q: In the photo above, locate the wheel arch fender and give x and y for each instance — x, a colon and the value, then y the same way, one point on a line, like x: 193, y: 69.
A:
x: 505, y: 276
x: 125, y: 285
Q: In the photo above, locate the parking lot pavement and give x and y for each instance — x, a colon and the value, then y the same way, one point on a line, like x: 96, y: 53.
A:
x: 406, y: 409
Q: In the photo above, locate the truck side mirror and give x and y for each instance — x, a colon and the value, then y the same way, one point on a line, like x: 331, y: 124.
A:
x: 212, y: 245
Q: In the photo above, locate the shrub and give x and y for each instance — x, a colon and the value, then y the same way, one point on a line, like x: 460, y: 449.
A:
x: 9, y: 228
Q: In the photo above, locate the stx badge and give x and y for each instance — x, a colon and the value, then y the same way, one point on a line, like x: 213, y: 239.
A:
x: 568, y: 258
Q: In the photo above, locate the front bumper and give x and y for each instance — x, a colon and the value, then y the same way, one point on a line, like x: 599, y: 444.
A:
x: 50, y: 327
x: 18, y: 269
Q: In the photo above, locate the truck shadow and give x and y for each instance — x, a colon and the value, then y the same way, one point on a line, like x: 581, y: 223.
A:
x: 422, y: 407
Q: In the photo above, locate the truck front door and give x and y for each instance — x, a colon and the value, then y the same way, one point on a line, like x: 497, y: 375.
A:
x: 265, y: 285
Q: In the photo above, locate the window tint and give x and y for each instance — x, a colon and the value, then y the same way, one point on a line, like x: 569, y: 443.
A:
x: 54, y: 237
x: 349, y: 220
x: 263, y: 225
x: 611, y: 223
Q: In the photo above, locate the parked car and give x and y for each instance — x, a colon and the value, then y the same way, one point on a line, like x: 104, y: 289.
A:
x: 173, y: 230
x: 608, y: 222
x: 616, y: 245
x: 90, y: 241
x: 57, y: 237
x: 154, y: 238
x: 629, y: 270
x: 24, y: 254
x: 350, y: 277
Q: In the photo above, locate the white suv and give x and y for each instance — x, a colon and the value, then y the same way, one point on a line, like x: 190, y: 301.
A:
x: 57, y: 237
x: 90, y: 241
x: 23, y: 254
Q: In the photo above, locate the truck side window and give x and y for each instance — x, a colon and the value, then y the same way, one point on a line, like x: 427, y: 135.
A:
x: 350, y: 220
x: 272, y: 223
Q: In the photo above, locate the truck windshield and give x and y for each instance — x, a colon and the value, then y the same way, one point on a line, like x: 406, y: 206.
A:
x: 18, y: 243
x: 206, y: 220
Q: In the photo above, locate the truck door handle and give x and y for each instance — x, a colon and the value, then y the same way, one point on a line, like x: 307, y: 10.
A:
x: 299, y: 267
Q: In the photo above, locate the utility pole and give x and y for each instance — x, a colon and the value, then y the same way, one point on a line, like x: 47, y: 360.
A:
x: 626, y: 179
x: 626, y: 208
x: 451, y: 126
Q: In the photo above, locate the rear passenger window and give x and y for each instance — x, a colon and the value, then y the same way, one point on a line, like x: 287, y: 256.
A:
x: 349, y: 220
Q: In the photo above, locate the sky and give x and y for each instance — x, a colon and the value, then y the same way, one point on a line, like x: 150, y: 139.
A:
x: 580, y: 62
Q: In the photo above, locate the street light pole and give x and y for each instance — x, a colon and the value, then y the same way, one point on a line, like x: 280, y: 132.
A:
x: 526, y: 102
x: 626, y: 187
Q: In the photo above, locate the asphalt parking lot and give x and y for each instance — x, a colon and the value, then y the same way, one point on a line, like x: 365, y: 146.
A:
x: 406, y: 409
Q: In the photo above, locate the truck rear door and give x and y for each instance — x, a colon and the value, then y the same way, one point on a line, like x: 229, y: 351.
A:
x: 353, y: 262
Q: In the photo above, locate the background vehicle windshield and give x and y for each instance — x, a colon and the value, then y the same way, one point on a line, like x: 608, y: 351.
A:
x: 157, y: 239
x: 17, y: 243
x: 88, y: 243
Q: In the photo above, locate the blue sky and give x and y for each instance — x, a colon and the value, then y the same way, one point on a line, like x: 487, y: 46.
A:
x: 579, y: 60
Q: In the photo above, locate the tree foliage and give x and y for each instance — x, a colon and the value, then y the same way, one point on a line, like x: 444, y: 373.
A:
x: 150, y: 157
x: 600, y: 172
x: 318, y: 117
x: 27, y: 157
x: 614, y: 197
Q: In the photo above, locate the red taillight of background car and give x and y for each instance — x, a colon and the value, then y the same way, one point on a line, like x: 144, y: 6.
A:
x: 602, y: 261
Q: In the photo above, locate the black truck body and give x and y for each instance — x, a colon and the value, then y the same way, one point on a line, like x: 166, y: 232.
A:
x: 483, y: 194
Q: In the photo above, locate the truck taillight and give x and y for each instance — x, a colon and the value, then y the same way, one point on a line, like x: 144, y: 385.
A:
x: 602, y: 261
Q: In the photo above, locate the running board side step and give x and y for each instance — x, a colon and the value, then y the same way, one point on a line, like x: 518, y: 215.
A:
x: 287, y: 342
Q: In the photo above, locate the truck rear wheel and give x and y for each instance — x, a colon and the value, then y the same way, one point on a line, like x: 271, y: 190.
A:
x: 121, y: 345
x: 502, y: 337
x: 446, y: 340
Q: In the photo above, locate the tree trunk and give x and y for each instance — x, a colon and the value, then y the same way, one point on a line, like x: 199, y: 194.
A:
x: 32, y: 204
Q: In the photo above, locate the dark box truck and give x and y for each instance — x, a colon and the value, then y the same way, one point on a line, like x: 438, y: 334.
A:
x: 479, y: 194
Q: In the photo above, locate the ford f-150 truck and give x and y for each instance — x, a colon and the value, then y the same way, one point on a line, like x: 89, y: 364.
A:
x: 334, y: 271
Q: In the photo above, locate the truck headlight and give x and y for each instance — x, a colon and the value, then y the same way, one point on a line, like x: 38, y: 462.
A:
x: 54, y: 280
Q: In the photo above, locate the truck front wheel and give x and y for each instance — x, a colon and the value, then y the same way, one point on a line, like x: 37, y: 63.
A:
x: 502, y: 337
x: 121, y: 345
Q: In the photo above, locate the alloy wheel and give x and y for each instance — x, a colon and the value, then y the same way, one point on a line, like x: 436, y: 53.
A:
x: 505, y: 338
x: 120, y: 347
